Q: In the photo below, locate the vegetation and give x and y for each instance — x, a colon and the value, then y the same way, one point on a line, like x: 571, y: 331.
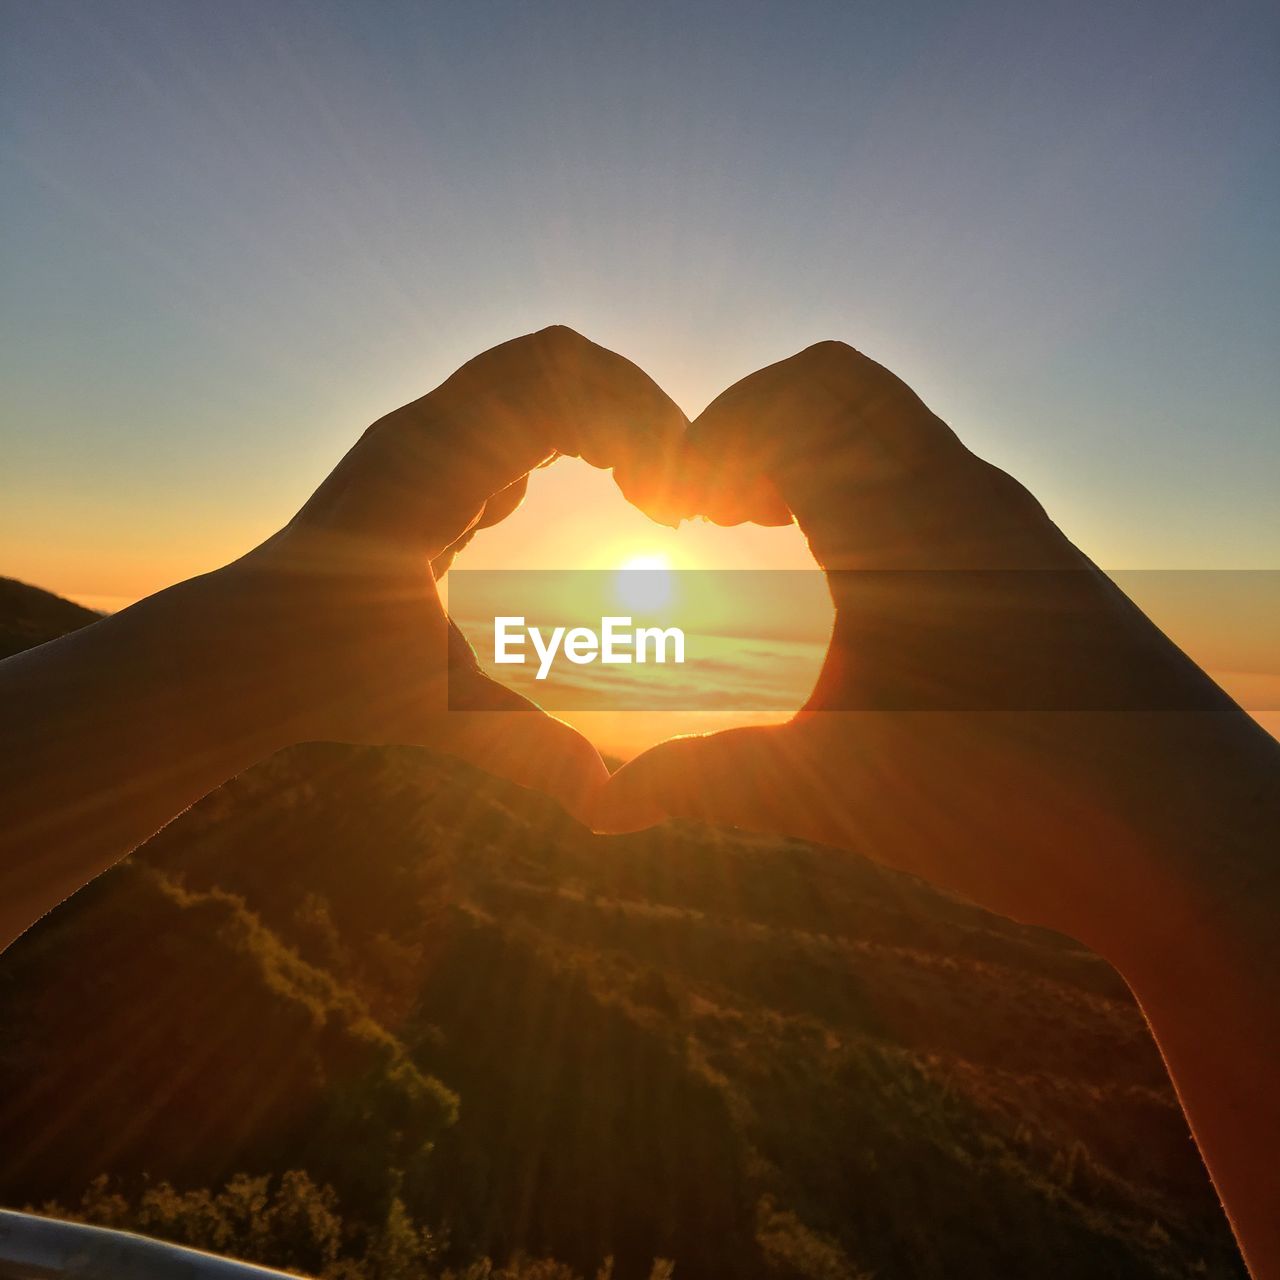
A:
x: 292, y: 1223
x: 368, y: 1013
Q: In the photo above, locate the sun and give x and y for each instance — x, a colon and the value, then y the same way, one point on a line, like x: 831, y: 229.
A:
x: 644, y: 582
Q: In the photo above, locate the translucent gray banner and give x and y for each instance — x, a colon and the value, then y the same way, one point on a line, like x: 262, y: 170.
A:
x: 762, y: 641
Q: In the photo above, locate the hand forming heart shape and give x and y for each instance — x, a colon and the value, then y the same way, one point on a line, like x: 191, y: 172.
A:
x: 896, y: 742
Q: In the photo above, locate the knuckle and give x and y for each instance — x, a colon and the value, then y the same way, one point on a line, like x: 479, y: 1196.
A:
x: 558, y: 336
x: 831, y: 351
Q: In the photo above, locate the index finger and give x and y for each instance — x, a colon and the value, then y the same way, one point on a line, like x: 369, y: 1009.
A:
x: 875, y: 479
x: 424, y: 472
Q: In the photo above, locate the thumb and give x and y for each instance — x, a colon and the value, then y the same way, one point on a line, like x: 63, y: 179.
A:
x: 505, y: 734
x: 724, y: 779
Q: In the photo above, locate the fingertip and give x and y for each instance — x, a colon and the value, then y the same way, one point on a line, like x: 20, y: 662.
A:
x: 655, y: 471
x: 735, y: 492
x: 507, y: 735
x: 556, y: 758
x: 658, y: 784
x: 503, y: 503
x: 581, y: 779
x: 655, y: 487
x: 621, y: 815
x: 626, y: 802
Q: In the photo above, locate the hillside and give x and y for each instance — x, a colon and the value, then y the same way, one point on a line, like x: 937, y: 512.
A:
x: 29, y: 616
x: 439, y: 997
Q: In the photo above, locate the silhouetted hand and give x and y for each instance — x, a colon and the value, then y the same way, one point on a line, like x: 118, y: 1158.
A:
x: 330, y: 630
x: 363, y: 650
x: 958, y: 722
x: 996, y: 717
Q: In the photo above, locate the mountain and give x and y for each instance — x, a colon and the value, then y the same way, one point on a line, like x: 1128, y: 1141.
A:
x: 29, y: 616
x: 426, y: 996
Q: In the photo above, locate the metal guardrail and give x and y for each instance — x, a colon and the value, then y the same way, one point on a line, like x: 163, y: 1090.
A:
x: 33, y: 1248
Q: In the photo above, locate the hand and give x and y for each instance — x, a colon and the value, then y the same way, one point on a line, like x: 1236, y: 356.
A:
x: 331, y: 630
x: 344, y: 604
x: 987, y: 692
x: 995, y: 717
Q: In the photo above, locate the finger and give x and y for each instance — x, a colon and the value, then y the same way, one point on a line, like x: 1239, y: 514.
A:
x: 822, y: 404
x: 505, y: 734
x: 441, y: 564
x: 503, y: 503
x: 874, y: 477
x: 496, y: 508
x: 424, y: 473
x: 728, y: 778
x: 555, y: 392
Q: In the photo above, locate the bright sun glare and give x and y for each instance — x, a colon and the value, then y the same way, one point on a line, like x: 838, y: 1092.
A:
x: 644, y: 582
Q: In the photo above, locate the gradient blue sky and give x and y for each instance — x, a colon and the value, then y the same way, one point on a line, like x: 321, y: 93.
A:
x: 235, y: 232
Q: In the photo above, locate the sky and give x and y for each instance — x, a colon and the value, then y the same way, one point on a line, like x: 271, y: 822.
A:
x: 236, y: 233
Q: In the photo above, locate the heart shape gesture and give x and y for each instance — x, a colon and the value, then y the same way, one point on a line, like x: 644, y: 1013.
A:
x: 348, y: 573
x: 927, y: 741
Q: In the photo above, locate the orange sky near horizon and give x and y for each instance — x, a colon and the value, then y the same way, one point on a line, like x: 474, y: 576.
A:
x: 573, y: 518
